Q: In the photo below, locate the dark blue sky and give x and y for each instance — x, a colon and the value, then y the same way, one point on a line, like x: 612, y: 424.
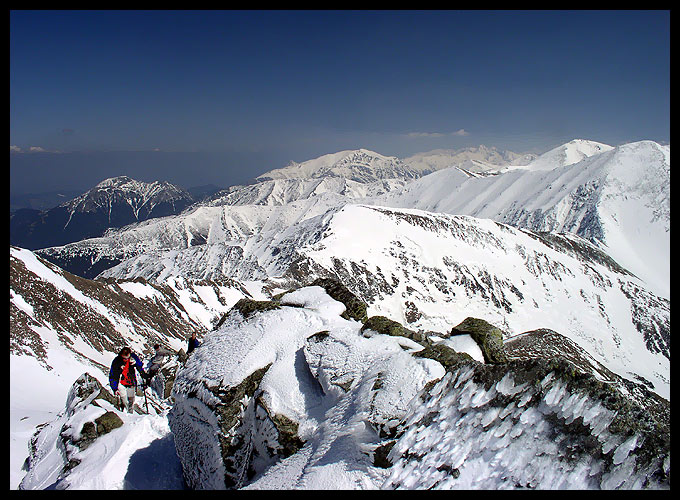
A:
x: 251, y: 90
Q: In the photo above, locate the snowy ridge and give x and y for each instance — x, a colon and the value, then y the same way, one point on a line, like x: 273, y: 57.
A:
x: 566, y: 261
x: 359, y: 165
x: 430, y: 270
x: 288, y: 190
x: 480, y: 159
x: 618, y: 199
x: 114, y: 202
x: 568, y: 154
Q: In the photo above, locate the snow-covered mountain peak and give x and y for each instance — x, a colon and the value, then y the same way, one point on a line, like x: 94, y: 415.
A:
x: 360, y: 165
x: 123, y: 189
x: 568, y: 154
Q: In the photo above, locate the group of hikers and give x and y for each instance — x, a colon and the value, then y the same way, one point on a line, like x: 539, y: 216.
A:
x: 123, y: 377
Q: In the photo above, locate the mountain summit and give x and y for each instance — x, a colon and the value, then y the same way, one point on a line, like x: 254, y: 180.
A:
x: 359, y: 165
x: 112, y: 203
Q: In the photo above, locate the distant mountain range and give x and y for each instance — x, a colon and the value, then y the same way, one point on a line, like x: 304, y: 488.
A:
x: 588, y: 192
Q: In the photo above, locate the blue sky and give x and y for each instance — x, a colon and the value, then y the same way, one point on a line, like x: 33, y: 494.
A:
x: 252, y: 90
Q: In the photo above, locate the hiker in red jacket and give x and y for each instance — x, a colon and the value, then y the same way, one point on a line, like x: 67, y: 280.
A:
x: 122, y: 376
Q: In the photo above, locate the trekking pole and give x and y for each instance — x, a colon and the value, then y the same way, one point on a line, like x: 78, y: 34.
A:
x: 146, y: 402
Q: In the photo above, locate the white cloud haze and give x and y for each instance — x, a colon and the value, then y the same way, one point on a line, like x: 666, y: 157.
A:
x: 462, y: 132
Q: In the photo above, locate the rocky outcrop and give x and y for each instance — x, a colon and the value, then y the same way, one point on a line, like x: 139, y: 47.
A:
x: 386, y: 326
x: 525, y: 418
x: 488, y: 337
x: 89, y: 414
x: 355, y: 308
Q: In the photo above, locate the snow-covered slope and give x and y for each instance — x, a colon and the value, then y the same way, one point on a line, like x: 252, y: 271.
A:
x: 62, y: 326
x: 65, y: 324
x: 567, y: 154
x: 228, y: 225
x: 431, y: 270
x: 618, y: 199
x: 287, y: 190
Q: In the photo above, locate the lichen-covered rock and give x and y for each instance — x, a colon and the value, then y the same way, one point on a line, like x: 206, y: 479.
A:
x: 444, y: 355
x: 249, y: 306
x: 355, y: 308
x: 387, y: 326
x: 488, y: 337
x: 107, y: 422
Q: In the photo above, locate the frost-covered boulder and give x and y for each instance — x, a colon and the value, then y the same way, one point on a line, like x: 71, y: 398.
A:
x: 292, y: 385
x: 550, y: 345
x: 55, y: 448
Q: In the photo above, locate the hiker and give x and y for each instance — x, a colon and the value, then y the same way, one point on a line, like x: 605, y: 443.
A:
x: 122, y: 376
x: 157, y: 360
x: 193, y: 343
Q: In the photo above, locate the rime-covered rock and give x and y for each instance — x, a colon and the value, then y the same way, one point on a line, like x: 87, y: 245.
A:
x: 533, y: 423
x: 54, y: 449
x: 265, y: 388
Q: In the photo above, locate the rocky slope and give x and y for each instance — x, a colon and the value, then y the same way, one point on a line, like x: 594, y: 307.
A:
x: 56, y: 315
